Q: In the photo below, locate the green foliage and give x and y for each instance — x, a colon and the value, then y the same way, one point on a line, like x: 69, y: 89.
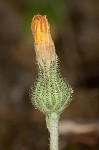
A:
x: 51, y: 93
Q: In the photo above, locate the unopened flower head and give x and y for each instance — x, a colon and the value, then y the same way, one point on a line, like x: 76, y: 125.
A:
x: 43, y: 43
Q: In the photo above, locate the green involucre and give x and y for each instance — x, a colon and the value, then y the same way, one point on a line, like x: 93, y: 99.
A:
x: 50, y: 94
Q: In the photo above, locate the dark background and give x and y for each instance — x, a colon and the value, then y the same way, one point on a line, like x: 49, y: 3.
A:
x: 75, y: 30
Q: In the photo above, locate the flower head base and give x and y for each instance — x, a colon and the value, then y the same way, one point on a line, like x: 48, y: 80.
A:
x: 43, y: 43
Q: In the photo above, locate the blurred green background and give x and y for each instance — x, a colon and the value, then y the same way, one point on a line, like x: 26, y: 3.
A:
x: 75, y: 31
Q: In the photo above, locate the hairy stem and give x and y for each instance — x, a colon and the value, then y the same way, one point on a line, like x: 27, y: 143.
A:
x: 53, y: 129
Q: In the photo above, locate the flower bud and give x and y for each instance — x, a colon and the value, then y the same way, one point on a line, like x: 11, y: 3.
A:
x: 51, y: 93
x: 43, y: 43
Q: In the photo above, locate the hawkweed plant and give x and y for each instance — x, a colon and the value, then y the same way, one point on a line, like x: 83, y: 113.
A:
x: 51, y: 94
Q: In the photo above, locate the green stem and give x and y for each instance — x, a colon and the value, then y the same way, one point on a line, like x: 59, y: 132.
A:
x: 53, y: 129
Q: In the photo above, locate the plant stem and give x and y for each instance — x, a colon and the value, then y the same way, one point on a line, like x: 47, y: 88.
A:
x: 53, y: 129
